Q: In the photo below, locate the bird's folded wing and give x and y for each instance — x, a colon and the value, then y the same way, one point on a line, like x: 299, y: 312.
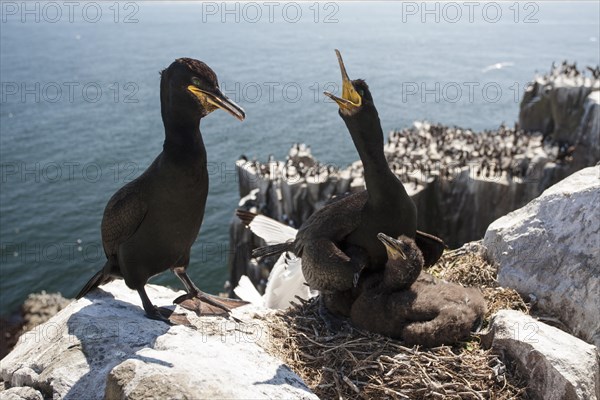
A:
x: 123, y: 215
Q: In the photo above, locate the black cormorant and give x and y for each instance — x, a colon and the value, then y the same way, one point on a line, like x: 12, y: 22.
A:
x: 353, y: 222
x: 150, y: 224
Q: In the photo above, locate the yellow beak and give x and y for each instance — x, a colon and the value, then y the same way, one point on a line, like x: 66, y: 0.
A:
x: 350, y: 99
x: 213, y: 100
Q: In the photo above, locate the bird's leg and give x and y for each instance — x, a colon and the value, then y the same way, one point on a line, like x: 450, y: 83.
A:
x: 332, y: 322
x: 152, y: 311
x: 190, y: 287
x: 359, y: 259
x: 194, y: 297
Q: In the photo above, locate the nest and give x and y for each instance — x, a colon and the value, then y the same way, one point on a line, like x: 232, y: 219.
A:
x: 356, y: 364
x: 468, y: 268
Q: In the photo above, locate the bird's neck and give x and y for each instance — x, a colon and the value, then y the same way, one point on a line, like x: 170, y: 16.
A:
x: 183, y: 137
x: 392, y: 278
x: 367, y: 135
x: 182, y: 126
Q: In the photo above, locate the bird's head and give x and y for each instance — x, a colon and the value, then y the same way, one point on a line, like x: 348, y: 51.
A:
x: 355, y: 93
x: 403, y: 249
x: 192, y: 85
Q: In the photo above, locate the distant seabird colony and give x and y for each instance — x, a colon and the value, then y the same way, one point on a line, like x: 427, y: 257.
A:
x: 448, y: 171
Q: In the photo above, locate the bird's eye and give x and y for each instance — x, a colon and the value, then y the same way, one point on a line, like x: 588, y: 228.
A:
x: 196, y: 81
x: 361, y: 92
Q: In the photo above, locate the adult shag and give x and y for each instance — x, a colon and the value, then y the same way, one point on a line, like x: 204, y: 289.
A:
x: 338, y: 241
x: 150, y: 224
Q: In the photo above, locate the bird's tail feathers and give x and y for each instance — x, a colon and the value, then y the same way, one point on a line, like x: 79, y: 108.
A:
x: 98, y: 279
x: 272, y: 250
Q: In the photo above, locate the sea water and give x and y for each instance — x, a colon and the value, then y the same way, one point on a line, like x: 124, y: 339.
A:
x: 80, y: 111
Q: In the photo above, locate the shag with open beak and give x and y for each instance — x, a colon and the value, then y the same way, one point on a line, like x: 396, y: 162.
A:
x: 339, y: 240
x: 351, y: 99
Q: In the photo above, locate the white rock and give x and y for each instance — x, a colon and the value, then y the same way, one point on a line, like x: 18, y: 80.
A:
x: 551, y: 248
x: 105, y: 343
x: 21, y: 393
x: 587, y: 151
x: 24, y: 377
x: 558, y: 365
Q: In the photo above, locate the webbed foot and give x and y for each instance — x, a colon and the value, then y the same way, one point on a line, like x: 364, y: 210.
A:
x: 158, y: 314
x: 168, y: 316
x: 161, y: 313
x: 205, y: 304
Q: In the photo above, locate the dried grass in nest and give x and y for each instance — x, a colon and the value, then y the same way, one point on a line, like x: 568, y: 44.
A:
x: 356, y: 364
x: 469, y: 268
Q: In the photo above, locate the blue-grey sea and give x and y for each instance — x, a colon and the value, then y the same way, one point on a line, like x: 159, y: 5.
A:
x: 80, y: 105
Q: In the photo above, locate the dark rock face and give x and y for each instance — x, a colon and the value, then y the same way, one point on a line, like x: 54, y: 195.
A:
x: 536, y: 110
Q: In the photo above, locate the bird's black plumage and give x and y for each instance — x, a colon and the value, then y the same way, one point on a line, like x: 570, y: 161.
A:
x: 403, y: 302
x: 150, y: 224
x: 325, y: 240
x: 404, y: 264
x: 402, y: 268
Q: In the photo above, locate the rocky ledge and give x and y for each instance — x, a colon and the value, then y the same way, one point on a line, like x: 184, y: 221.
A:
x: 103, y: 346
x: 37, y: 309
x: 549, y: 251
